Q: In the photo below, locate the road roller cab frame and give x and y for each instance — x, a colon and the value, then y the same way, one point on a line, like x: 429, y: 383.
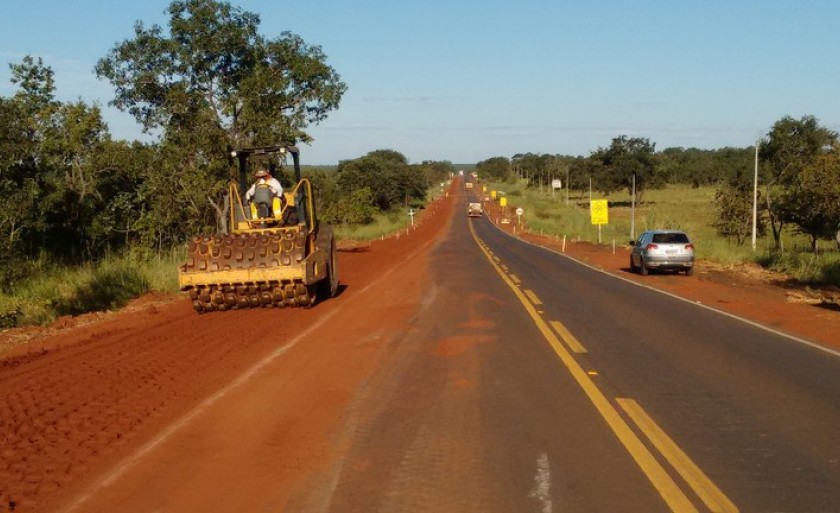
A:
x: 284, y: 258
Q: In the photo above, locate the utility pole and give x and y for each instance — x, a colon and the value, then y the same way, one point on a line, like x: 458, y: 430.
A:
x: 755, y: 197
x: 633, y: 211
x: 567, y: 183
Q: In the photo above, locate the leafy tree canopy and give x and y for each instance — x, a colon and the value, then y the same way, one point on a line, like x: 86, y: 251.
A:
x: 391, y: 181
x: 626, y: 158
x: 495, y: 168
x: 704, y: 167
x: 437, y: 171
x: 791, y: 145
x: 812, y: 202
x: 214, y: 71
x: 210, y: 84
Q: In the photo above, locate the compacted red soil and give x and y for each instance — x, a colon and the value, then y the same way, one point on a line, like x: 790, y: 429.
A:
x: 80, y: 398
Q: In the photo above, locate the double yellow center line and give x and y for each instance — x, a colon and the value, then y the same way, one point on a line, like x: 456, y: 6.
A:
x: 714, y: 499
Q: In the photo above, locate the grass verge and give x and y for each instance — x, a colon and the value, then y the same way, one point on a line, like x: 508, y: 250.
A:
x: 383, y: 225
x: 110, y: 284
x: 677, y: 206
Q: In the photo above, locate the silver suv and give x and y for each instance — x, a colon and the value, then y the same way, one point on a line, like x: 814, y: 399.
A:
x: 662, y: 249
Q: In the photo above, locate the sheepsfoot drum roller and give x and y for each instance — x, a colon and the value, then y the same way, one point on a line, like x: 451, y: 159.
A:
x: 274, y: 254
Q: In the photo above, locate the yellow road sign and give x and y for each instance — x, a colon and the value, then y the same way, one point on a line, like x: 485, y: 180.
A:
x: 599, y: 211
x: 503, y: 201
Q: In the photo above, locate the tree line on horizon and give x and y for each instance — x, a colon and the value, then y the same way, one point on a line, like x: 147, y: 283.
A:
x: 209, y: 83
x: 798, y: 177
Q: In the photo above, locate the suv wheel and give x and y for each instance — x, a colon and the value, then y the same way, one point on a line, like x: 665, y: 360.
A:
x: 689, y: 271
x: 643, y: 270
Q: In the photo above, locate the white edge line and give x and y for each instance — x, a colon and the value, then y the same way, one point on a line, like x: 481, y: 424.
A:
x: 794, y: 338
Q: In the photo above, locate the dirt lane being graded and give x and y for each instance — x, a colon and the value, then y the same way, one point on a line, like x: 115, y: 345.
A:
x: 76, y: 407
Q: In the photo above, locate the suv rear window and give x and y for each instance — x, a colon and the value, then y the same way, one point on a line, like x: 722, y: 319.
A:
x: 670, y: 238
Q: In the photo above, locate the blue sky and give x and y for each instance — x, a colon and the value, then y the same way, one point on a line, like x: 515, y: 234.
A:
x: 468, y: 80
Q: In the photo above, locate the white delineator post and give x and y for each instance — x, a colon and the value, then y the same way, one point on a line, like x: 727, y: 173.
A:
x: 755, y: 197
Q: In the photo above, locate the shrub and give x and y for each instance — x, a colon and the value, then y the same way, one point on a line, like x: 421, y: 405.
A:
x: 110, y: 287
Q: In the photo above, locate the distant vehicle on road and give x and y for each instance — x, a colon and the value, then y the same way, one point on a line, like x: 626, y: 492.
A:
x: 662, y: 249
x: 475, y: 210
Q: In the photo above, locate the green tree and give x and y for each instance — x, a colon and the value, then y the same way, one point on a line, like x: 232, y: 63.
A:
x: 19, y: 189
x: 324, y: 187
x: 72, y: 194
x: 49, y: 175
x: 214, y: 71
x: 790, y: 147
x: 36, y: 92
x: 122, y: 170
x: 366, y: 173
x: 581, y: 171
x: 388, y: 157
x: 26, y: 120
x: 436, y: 172
x: 386, y: 174
x: 494, y: 169
x: 353, y: 208
x: 703, y: 167
x: 624, y: 159
x: 812, y: 202
x: 734, y: 205
x: 213, y: 84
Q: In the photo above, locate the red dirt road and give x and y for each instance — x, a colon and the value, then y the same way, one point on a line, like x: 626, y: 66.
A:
x: 84, y: 406
x: 93, y: 415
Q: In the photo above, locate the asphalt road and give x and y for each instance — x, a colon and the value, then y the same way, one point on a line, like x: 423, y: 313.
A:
x: 472, y: 412
x: 529, y: 382
x: 757, y: 413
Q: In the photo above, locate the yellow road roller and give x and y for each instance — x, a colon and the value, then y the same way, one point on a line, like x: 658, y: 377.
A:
x: 273, y: 252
